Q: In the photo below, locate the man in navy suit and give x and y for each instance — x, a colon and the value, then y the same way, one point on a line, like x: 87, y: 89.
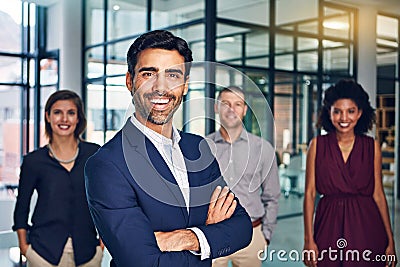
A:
x: 156, y: 194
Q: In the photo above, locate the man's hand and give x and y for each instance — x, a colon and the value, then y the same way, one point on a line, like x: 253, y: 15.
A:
x: 177, y: 240
x: 222, y: 205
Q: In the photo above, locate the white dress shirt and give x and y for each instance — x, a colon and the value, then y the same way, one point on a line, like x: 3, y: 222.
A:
x: 172, y: 155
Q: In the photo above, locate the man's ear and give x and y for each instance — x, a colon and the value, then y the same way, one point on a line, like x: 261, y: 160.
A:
x: 186, y: 88
x: 216, y: 108
x: 129, y: 82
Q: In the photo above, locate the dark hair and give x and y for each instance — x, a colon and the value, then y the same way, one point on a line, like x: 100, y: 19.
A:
x: 158, y: 39
x: 65, y: 95
x: 232, y: 89
x: 347, y: 89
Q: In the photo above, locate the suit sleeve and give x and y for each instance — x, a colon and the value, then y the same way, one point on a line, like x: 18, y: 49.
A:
x: 121, y: 223
x: 232, y: 234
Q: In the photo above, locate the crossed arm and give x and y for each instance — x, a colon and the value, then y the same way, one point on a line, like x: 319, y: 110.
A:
x: 221, y: 207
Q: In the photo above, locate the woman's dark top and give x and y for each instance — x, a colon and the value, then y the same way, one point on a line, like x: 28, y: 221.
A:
x: 61, y: 210
x: 347, y: 221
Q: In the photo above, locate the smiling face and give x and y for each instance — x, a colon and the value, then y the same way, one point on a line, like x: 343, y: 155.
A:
x: 344, y: 114
x: 231, y: 108
x: 63, y: 118
x: 158, y: 85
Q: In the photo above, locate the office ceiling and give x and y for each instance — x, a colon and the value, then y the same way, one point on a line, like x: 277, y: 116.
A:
x: 389, y: 6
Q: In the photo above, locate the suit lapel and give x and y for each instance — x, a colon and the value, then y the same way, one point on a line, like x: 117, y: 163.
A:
x: 149, y: 169
x: 200, y: 165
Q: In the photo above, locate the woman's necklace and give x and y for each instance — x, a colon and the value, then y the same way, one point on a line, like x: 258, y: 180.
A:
x: 61, y: 160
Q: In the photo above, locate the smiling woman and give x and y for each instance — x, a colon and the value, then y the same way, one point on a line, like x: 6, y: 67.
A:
x: 64, y: 112
x: 344, y: 167
x: 56, y: 171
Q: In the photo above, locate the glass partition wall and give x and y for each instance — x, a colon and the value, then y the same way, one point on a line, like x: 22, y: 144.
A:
x: 28, y: 74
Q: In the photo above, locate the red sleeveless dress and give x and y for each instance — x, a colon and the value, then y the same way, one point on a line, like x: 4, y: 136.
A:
x: 348, y: 227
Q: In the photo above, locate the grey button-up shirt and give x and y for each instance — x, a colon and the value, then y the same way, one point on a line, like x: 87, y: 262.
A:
x: 250, y: 169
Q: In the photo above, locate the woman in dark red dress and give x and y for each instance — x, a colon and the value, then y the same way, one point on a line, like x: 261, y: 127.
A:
x: 351, y: 226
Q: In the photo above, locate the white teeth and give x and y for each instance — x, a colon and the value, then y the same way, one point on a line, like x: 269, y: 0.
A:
x: 344, y: 124
x: 64, y: 127
x: 160, y: 101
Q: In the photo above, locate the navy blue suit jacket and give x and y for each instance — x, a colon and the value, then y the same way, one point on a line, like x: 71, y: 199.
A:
x: 132, y: 193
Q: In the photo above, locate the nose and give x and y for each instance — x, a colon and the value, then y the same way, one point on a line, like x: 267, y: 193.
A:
x: 160, y: 83
x: 343, y: 115
x: 64, y: 117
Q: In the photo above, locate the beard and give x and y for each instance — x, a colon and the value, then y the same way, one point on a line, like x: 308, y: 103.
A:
x: 156, y: 117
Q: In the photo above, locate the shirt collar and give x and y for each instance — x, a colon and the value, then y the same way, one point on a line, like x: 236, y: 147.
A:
x: 244, y: 135
x: 156, y: 137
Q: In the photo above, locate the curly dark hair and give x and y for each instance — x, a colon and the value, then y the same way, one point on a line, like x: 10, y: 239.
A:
x: 66, y: 95
x: 159, y: 39
x: 347, y: 89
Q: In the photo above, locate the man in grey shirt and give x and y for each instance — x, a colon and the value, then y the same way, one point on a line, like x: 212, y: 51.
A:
x: 249, y: 166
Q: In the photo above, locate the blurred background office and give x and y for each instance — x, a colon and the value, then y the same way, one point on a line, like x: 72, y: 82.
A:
x: 289, y: 50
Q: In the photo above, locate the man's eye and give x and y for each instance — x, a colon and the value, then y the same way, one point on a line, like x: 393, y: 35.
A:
x: 147, y: 74
x: 174, y: 75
